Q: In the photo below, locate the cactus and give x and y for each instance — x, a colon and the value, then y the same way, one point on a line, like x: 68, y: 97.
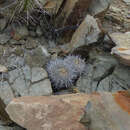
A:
x: 62, y: 75
x: 77, y: 63
x: 64, y: 72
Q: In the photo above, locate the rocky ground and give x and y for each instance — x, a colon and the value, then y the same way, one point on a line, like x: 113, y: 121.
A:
x: 25, y: 51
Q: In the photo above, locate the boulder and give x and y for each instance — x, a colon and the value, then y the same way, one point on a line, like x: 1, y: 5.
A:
x: 87, y: 33
x: 104, y: 111
x: 62, y: 112
x: 107, y: 111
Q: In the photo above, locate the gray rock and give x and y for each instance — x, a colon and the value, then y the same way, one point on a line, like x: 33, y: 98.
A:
x: 3, y: 23
x: 99, y: 6
x: 4, y: 38
x: 85, y: 83
x: 121, y: 76
x: 26, y: 81
x: 38, y: 31
x: 42, y: 88
x: 38, y: 74
x: 13, y: 75
x: 104, y: 75
x: 20, y: 80
x: 37, y: 57
x: 15, y: 61
x: 11, y: 128
x: 26, y: 70
x: 5, y: 128
x: 87, y: 33
x: 15, y: 42
x: 31, y: 43
x: 6, y: 93
x: 21, y: 86
x: 109, y: 84
x: 102, y: 67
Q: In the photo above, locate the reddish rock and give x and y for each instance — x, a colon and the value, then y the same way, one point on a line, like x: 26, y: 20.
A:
x: 108, y: 111
x: 49, y: 113
x: 123, y: 99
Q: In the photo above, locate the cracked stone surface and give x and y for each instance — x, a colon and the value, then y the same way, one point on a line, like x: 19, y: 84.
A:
x: 6, y: 92
x: 30, y: 81
x: 105, y: 74
x: 22, y: 79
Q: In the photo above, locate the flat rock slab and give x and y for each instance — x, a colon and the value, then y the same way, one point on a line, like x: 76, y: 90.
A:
x: 105, y: 111
x: 49, y: 113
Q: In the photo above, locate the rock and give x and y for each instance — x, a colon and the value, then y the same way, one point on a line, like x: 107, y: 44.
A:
x: 21, y: 85
x: 31, y: 43
x: 88, y: 32
x: 30, y: 81
x: 38, y: 31
x: 97, y: 74
x: 127, y: 24
x: 42, y: 88
x: 19, y: 32
x: 53, y: 112
x: 38, y: 74
x: 105, y: 74
x: 106, y: 111
x: 15, y: 61
x: 4, y: 117
x: 120, y: 77
x: 4, y: 38
x: 98, y: 8
x: 2, y: 127
x: 6, y: 93
x: 15, y: 42
x: 3, y: 68
x: 3, y: 23
x: 5, y: 128
x: 37, y: 57
x: 41, y: 85
x: 122, y: 49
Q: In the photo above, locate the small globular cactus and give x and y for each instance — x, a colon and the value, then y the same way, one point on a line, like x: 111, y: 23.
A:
x: 64, y: 72
x: 61, y: 74
x: 77, y: 63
